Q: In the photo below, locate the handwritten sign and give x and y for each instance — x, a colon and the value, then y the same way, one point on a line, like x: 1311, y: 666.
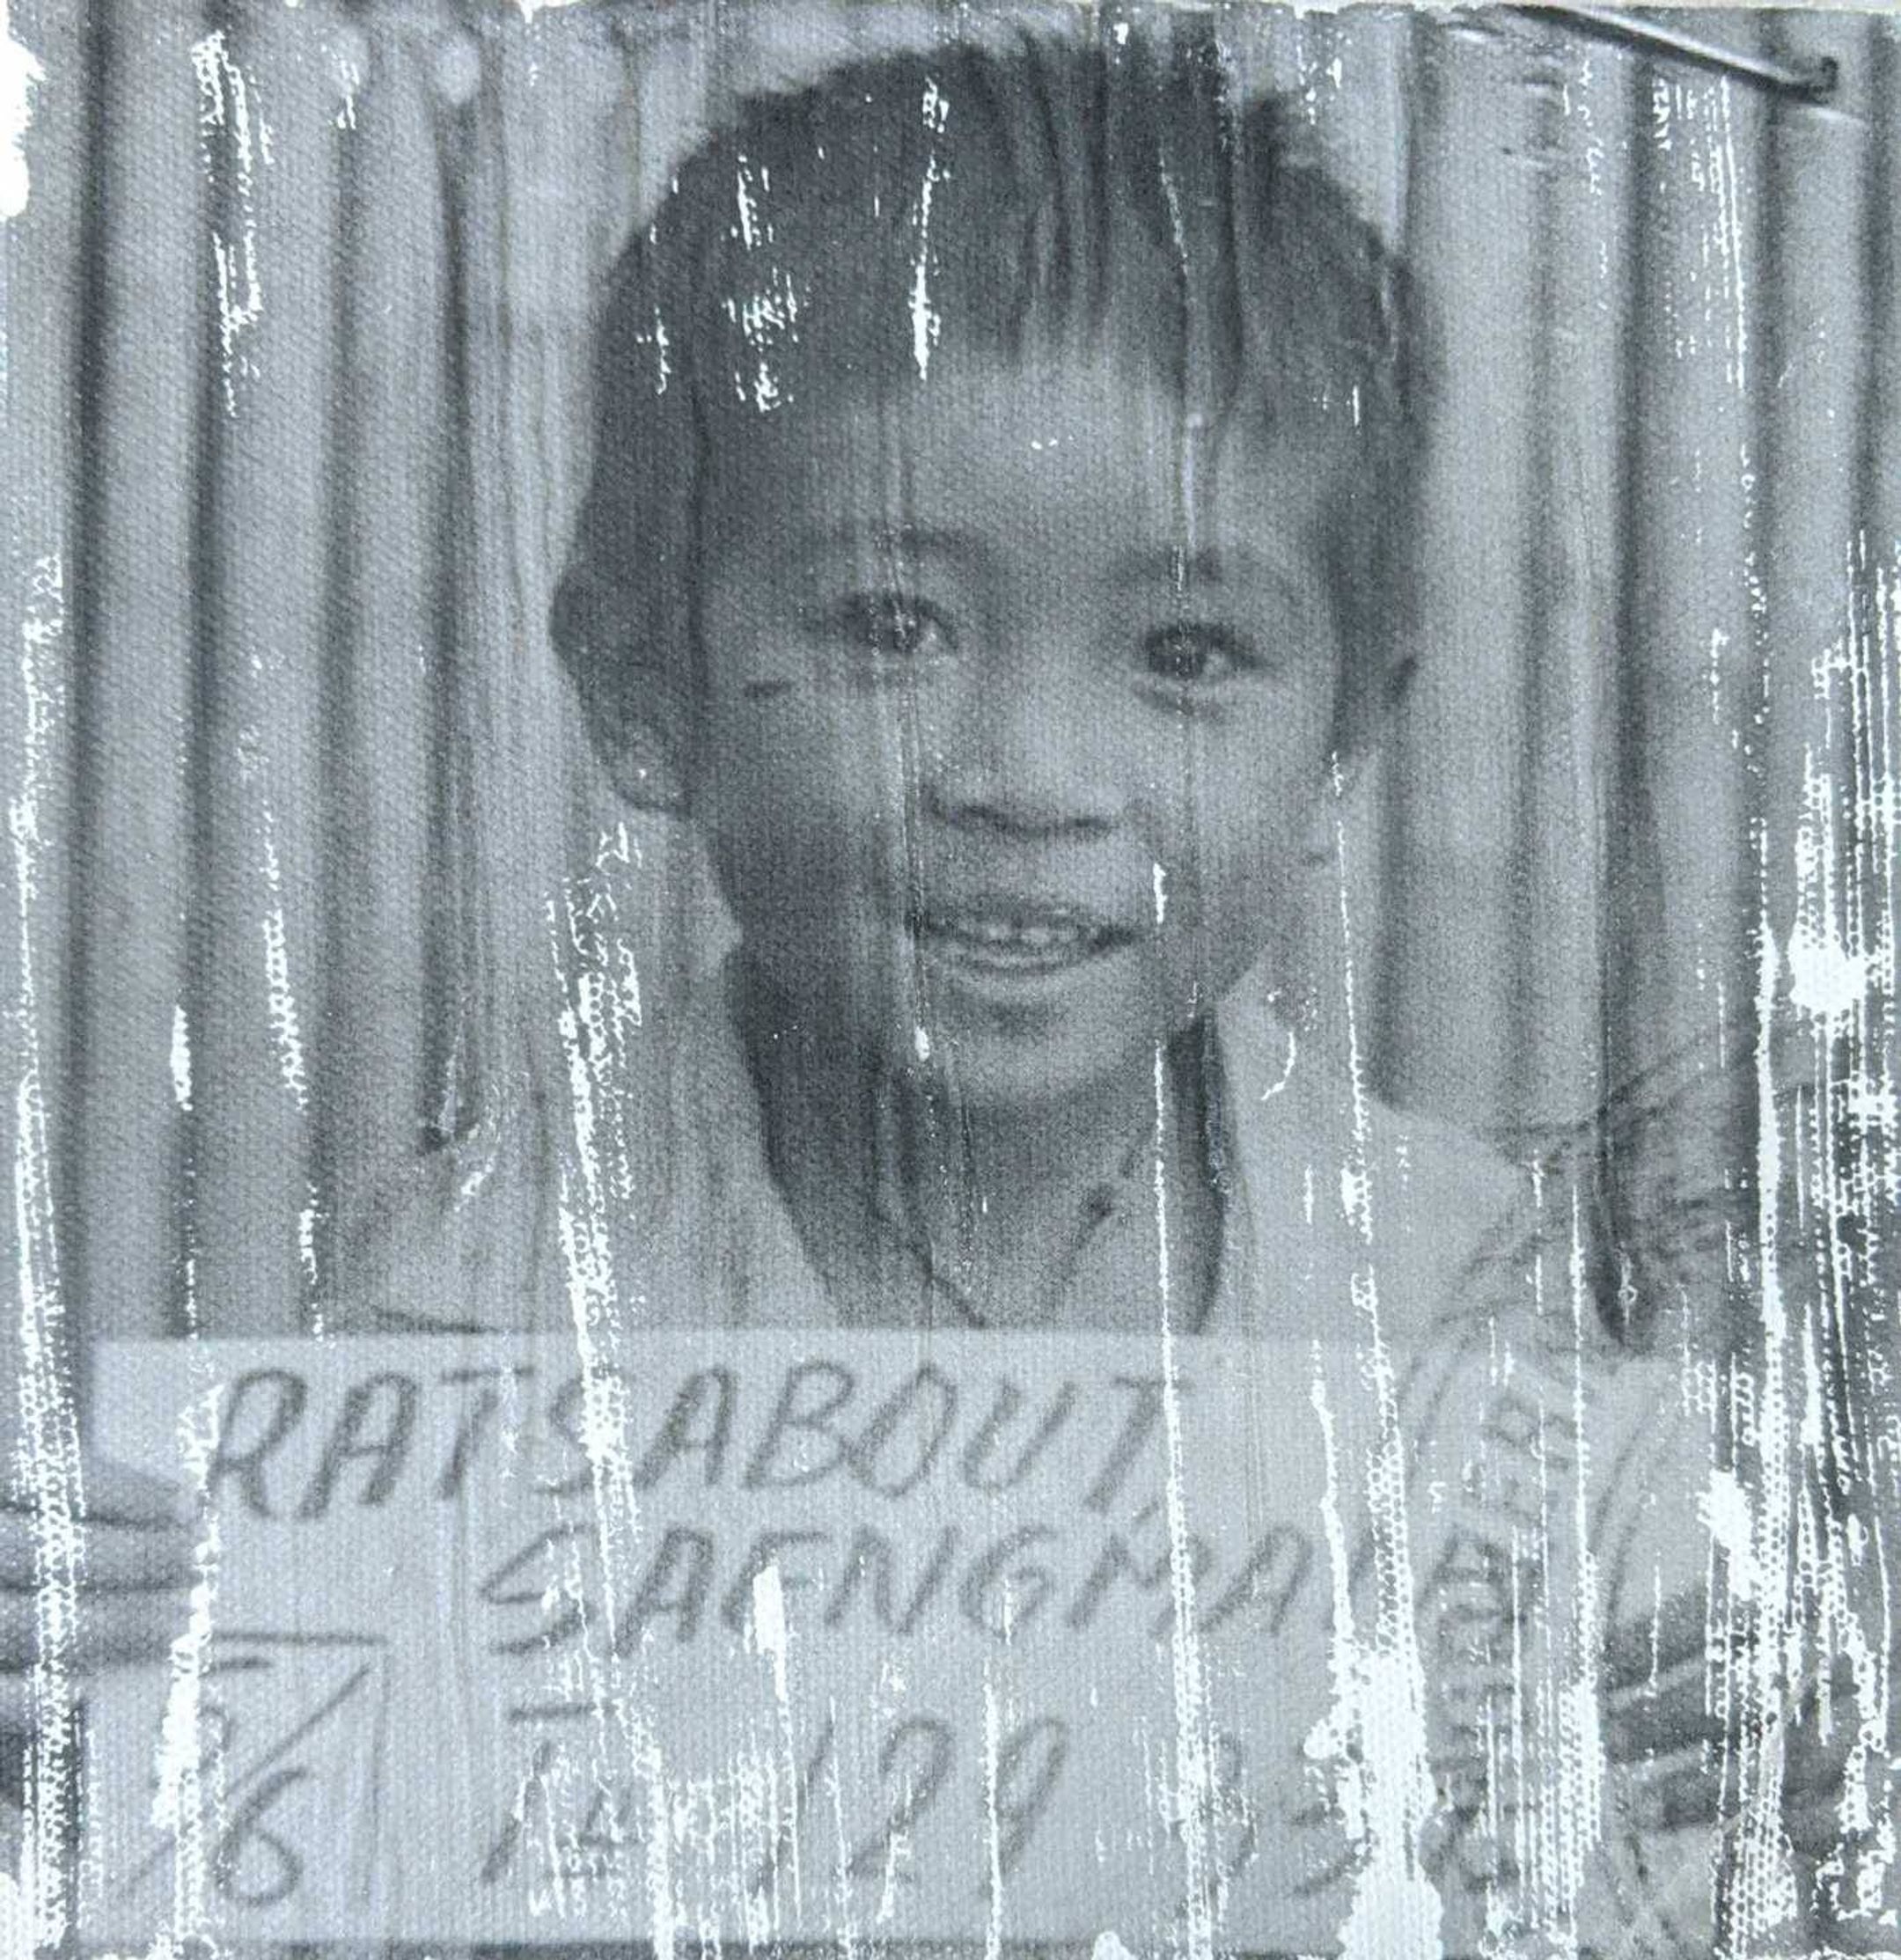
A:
x: 959, y: 1637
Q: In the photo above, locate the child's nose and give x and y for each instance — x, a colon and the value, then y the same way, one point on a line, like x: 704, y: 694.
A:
x: 1021, y: 753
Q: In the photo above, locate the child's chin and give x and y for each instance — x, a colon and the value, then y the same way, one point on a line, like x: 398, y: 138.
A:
x: 988, y: 1071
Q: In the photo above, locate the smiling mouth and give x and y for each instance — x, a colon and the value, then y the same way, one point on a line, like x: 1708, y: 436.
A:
x: 1006, y: 937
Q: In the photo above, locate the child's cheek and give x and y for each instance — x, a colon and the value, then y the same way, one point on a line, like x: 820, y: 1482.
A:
x: 1230, y: 884
x: 805, y: 804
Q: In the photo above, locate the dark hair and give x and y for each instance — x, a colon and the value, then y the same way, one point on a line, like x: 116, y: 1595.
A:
x: 970, y: 198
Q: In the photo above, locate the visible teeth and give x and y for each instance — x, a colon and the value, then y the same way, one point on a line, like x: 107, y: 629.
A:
x: 994, y: 933
x: 1023, y: 936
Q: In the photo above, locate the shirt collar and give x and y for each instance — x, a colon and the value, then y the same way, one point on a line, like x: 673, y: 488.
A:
x: 1265, y: 1099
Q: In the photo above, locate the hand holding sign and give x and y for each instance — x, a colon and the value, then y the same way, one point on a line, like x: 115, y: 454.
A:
x: 97, y: 1587
x: 130, y: 1551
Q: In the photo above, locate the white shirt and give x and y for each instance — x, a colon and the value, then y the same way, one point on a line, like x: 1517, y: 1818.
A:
x: 659, y: 1207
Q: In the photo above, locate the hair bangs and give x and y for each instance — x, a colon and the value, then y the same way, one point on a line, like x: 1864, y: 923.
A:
x: 863, y: 234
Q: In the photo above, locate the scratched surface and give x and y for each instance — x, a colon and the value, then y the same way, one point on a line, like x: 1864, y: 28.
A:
x: 347, y: 993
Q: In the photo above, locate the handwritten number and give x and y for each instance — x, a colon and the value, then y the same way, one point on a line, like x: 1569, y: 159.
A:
x: 919, y: 1790
x: 248, y: 1829
x: 533, y: 1791
x: 217, y: 1736
x: 1028, y: 1766
x: 1233, y: 1806
x: 1347, y: 1856
x: 768, y: 1870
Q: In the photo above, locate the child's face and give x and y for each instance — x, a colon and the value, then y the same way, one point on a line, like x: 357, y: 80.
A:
x: 1019, y: 696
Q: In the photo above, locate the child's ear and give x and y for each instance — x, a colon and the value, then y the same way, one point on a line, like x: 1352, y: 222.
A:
x: 645, y: 766
x: 632, y: 696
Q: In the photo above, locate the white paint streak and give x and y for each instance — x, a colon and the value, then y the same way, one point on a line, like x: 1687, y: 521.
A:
x: 1380, y: 1678
x: 993, y: 1734
x: 752, y: 233
x: 20, y: 74
x: 182, y: 1059
x: 656, y: 337
x: 1278, y: 1086
x: 1761, y: 1886
x: 188, y: 1804
x: 1194, y: 1794
x: 772, y: 1637
x: 279, y: 1001
x: 844, y: 1912
x: 350, y: 57
x: 765, y: 317
x: 1841, y: 968
x: 600, y: 1007
x: 310, y: 1217
x: 1729, y: 210
x: 925, y: 323
x: 224, y: 112
x: 1574, y: 1794
x: 44, y: 1474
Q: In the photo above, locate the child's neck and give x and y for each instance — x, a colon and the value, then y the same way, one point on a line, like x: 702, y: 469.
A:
x: 909, y: 1198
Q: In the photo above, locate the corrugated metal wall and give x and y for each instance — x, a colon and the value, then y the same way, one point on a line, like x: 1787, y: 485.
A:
x: 297, y: 323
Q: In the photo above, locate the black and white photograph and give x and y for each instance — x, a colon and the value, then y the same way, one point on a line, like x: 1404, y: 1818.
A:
x: 950, y: 979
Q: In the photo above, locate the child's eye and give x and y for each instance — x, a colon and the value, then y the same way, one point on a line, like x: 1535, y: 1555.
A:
x: 1192, y: 652
x: 892, y: 626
